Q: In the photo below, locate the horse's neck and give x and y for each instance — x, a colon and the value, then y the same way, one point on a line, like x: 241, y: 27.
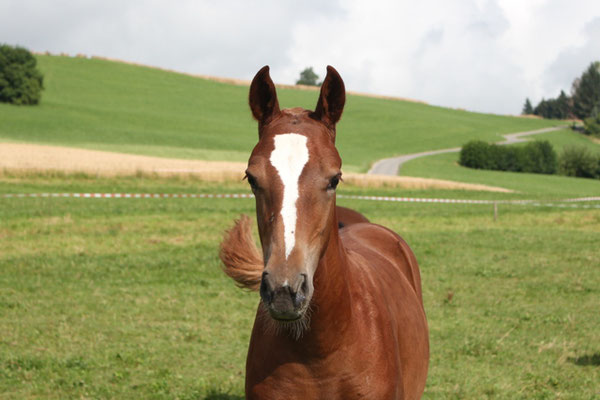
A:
x: 330, y: 284
x: 331, y: 304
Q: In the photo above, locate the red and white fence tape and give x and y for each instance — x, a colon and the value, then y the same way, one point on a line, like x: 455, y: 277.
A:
x: 131, y: 195
x: 563, y: 203
x: 537, y: 203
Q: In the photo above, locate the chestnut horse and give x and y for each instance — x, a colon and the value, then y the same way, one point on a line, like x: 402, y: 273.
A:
x: 341, y: 313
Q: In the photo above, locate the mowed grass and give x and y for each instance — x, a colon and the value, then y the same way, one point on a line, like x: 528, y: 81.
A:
x: 124, y: 298
x: 445, y: 166
x: 98, y: 104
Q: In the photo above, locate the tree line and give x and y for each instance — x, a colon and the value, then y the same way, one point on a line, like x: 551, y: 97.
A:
x: 583, y: 104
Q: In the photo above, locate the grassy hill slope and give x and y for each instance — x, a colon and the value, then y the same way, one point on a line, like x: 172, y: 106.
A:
x: 106, y: 105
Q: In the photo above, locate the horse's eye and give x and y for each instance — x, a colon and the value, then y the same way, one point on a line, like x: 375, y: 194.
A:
x: 252, y: 181
x: 333, y: 182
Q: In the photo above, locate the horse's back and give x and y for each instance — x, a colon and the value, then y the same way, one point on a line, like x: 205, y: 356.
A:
x: 347, y: 216
x: 389, y: 279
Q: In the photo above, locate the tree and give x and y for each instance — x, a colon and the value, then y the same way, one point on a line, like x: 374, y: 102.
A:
x: 586, y: 96
x: 563, y: 106
x: 545, y: 108
x: 20, y: 81
x: 308, y: 77
x: 527, y: 108
x: 559, y: 108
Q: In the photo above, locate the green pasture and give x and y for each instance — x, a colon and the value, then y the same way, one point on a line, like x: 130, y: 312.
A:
x: 445, y: 166
x: 124, y: 298
x: 98, y: 104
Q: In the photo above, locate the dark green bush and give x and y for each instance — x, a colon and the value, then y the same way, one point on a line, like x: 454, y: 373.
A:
x: 20, y: 81
x: 536, y: 157
x: 476, y: 154
x: 508, y: 159
x: 592, y: 125
x: 579, y: 161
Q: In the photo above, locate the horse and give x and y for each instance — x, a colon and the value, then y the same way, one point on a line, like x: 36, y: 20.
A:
x: 341, y: 313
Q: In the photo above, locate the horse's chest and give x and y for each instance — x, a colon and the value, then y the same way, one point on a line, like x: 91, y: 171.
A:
x: 340, y: 376
x: 361, y: 386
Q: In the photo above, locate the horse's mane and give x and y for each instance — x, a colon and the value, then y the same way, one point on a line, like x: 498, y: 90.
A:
x: 242, y: 260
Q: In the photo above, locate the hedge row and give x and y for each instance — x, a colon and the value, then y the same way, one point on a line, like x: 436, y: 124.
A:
x: 535, y: 157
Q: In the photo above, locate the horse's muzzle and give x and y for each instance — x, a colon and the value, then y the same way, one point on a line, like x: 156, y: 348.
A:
x: 285, y: 302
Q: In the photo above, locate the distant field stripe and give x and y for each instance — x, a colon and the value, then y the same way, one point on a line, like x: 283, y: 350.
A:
x: 571, y: 203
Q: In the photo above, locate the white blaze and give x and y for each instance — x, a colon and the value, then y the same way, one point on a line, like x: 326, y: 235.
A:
x: 289, y: 157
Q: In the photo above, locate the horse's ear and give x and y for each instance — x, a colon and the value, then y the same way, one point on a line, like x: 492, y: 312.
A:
x: 331, y: 100
x: 263, y: 97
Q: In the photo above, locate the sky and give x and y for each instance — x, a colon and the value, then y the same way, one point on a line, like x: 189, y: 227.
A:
x: 478, y: 55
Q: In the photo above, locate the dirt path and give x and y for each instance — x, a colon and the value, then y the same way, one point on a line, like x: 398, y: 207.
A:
x: 391, y: 166
x: 39, y: 158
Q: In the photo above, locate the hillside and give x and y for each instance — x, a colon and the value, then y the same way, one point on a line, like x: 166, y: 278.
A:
x: 105, y: 105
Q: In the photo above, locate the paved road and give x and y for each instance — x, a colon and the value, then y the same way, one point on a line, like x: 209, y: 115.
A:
x: 391, y: 166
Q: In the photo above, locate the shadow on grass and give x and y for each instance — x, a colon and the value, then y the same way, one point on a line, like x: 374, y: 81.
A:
x: 586, y: 360
x: 223, y: 396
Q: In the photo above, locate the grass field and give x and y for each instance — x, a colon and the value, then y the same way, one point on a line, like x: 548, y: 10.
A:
x: 98, y: 104
x: 445, y: 166
x: 124, y: 298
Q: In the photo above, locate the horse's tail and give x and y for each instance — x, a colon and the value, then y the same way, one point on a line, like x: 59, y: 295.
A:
x: 242, y: 260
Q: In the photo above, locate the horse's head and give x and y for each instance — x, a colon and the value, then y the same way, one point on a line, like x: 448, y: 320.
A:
x: 293, y: 171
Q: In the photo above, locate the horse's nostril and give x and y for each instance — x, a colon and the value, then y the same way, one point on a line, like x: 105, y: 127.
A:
x: 299, y: 295
x: 304, y: 285
x: 298, y: 298
x: 266, y: 293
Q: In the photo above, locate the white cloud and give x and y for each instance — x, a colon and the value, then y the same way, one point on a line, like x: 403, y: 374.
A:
x: 480, y: 55
x: 483, y: 55
x: 226, y: 38
x: 573, y: 60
